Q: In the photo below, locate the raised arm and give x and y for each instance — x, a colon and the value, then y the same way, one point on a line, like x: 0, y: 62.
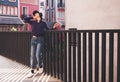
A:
x: 28, y: 20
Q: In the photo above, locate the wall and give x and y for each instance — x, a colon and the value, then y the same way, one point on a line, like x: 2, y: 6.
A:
x: 30, y: 7
x: 33, y: 2
x: 92, y: 14
x: 30, y: 4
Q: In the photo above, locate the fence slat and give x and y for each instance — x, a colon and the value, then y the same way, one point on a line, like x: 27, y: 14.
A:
x: 69, y: 56
x: 65, y: 57
x: 74, y: 56
x: 111, y: 57
x: 79, y: 57
x: 51, y: 55
x: 118, y: 60
x: 54, y: 56
x: 90, y: 57
x: 103, y: 57
x: 61, y: 55
x: 48, y: 47
x: 57, y: 55
x: 84, y: 57
x: 96, y: 57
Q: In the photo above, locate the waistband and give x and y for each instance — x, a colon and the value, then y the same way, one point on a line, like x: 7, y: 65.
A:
x: 36, y: 36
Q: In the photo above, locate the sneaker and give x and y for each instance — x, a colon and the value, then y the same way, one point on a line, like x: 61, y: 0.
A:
x: 40, y: 70
x: 30, y: 74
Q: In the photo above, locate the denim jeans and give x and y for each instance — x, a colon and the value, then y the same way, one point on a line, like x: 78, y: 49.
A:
x: 37, y: 44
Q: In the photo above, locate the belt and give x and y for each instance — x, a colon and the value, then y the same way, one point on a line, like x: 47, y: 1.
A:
x: 36, y: 36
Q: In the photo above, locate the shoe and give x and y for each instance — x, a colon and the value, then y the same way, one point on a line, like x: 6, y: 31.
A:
x: 30, y: 74
x: 40, y: 70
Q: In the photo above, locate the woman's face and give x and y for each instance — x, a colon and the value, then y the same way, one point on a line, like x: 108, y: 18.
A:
x: 36, y: 16
x: 56, y: 25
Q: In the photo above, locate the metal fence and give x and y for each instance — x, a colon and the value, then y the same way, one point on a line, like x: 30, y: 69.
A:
x: 72, y: 55
x: 83, y: 55
x: 16, y: 45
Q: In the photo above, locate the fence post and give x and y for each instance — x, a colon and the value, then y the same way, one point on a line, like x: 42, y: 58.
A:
x: 72, y: 55
x: 118, y: 58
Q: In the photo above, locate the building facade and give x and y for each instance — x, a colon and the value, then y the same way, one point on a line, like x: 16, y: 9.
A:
x: 54, y: 11
x: 42, y: 7
x: 9, y: 15
x: 93, y: 14
x: 26, y: 9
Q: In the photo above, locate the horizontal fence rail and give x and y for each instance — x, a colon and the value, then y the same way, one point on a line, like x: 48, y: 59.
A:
x: 83, y: 55
x: 16, y: 45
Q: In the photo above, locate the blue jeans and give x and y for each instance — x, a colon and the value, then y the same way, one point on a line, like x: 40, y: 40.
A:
x: 37, y: 44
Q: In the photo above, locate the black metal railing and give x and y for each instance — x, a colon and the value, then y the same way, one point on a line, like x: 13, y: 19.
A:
x: 16, y: 46
x: 83, y: 55
x: 72, y: 55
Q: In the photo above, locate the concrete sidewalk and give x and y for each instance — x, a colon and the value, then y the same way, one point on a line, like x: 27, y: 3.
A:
x: 11, y: 71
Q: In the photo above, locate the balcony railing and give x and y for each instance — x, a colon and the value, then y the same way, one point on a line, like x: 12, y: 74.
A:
x: 72, y: 55
x: 16, y: 45
x: 83, y: 55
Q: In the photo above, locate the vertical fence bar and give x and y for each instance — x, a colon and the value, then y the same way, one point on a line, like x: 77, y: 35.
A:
x: 79, y: 56
x: 61, y: 54
x: 65, y: 57
x: 57, y: 55
x: 59, y: 70
x: 74, y: 55
x: 51, y: 54
x: 118, y: 58
x: 84, y: 57
x: 69, y: 55
x: 103, y: 57
x: 111, y: 57
x: 90, y: 57
x: 96, y: 56
x: 48, y: 54
x: 44, y: 53
x: 54, y: 57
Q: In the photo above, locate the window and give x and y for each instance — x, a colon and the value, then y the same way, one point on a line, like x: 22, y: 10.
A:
x: 12, y: 0
x: 12, y: 10
x: 61, y: 15
x: 42, y: 4
x: 47, y: 16
x: 16, y: 11
x: 8, y: 10
x: 61, y: 3
x: 0, y: 9
x: 47, y: 4
x: 53, y: 16
x: 52, y: 3
x: 24, y: 11
x: 4, y: 10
